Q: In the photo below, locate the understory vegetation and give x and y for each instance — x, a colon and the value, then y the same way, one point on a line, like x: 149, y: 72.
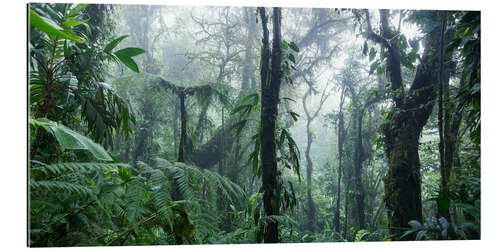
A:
x: 159, y: 125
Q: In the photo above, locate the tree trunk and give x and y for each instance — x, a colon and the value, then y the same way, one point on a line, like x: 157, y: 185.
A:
x: 175, y: 117
x: 200, y: 126
x: 144, y: 131
x: 358, y: 168
x: 403, y: 129
x: 311, y: 209
x: 403, y: 180
x: 341, y: 135
x: 448, y: 120
x: 271, y: 82
x: 182, y: 142
x: 346, y: 206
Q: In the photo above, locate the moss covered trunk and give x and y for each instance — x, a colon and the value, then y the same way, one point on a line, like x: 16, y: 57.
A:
x: 403, y: 181
x: 406, y: 120
x: 270, y: 85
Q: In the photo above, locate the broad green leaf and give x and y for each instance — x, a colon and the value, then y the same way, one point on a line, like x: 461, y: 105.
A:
x: 69, y: 139
x: 71, y: 23
x: 77, y: 9
x: 38, y: 22
x: 129, y: 62
x: 130, y: 52
x: 125, y: 56
x: 114, y: 43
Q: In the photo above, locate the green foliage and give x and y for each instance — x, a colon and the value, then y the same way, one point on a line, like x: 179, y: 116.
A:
x: 52, y: 30
x: 467, y: 42
x: 69, y: 139
x: 66, y: 77
x: 109, y: 197
x: 125, y: 56
x: 467, y: 225
x: 290, y: 50
x: 432, y: 230
x: 81, y: 195
x: 191, y: 182
x: 111, y: 45
x: 360, y: 235
x: 290, y: 155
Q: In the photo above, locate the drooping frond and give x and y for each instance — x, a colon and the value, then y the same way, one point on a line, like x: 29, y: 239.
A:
x: 54, y: 186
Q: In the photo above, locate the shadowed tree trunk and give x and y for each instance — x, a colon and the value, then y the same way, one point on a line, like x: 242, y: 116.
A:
x: 358, y: 168
x: 449, y: 118
x: 182, y: 142
x: 409, y: 115
x: 202, y: 119
x: 359, y: 157
x: 346, y: 205
x: 270, y: 86
x: 341, y: 137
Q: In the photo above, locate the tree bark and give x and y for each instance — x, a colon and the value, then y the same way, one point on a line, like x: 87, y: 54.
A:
x: 403, y: 180
x: 271, y: 82
x: 311, y: 208
x: 449, y: 119
x: 341, y: 136
x: 358, y: 168
x: 346, y: 206
x: 402, y: 131
x: 182, y: 142
x: 201, y: 121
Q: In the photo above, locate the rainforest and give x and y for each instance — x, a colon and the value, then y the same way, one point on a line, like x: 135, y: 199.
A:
x: 171, y: 125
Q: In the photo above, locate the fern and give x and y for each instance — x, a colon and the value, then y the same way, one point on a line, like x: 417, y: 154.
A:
x: 106, y: 204
x: 54, y: 186
x: 75, y: 167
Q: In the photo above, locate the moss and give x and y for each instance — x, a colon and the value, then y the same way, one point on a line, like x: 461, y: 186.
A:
x: 402, y: 184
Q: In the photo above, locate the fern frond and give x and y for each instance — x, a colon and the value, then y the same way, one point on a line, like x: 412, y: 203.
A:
x: 54, y: 186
